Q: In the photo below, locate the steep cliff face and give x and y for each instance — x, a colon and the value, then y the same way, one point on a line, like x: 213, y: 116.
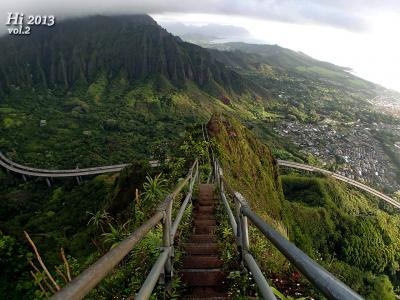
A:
x: 248, y: 165
x: 133, y: 46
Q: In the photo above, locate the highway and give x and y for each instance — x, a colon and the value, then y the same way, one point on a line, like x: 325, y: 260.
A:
x: 352, y: 182
x: 46, y: 173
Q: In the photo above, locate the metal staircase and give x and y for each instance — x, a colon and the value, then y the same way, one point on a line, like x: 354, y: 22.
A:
x: 202, y: 271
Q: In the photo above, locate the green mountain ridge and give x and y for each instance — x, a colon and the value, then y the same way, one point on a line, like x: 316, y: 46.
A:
x: 104, y: 79
x: 119, y: 89
x: 286, y: 60
x: 132, y: 46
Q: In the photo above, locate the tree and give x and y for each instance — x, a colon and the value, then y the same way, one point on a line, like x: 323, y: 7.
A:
x: 382, y: 289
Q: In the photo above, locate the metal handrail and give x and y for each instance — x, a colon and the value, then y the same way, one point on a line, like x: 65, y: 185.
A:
x: 148, y: 286
x: 188, y: 197
x: 89, y: 278
x: 231, y: 217
x: 324, y: 281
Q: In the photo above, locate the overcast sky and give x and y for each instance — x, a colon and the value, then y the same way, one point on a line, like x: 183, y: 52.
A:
x: 361, y: 34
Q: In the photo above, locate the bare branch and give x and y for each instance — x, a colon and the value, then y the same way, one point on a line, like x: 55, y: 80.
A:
x: 44, y: 277
x: 39, y: 284
x: 66, y: 264
x: 59, y: 272
x: 41, y: 261
x: 33, y: 266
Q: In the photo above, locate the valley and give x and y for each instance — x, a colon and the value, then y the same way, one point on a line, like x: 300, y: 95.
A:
x: 103, y: 90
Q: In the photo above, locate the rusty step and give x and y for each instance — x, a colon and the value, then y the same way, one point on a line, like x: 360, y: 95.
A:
x: 206, y: 196
x: 204, y: 230
x: 203, y: 277
x: 203, y: 216
x: 201, y: 273
x: 201, y: 248
x: 209, y: 292
x: 204, y: 209
x: 204, y: 201
x: 201, y: 262
x: 202, y: 238
x: 202, y: 223
x: 200, y: 204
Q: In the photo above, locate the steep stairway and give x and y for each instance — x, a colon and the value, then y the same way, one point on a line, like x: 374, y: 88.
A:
x: 202, y: 273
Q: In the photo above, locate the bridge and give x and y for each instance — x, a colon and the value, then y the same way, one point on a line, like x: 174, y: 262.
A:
x: 337, y: 176
x: 14, y: 167
x: 77, y: 173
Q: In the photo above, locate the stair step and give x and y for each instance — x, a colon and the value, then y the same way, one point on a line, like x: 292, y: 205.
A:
x: 201, y: 273
x: 203, y: 216
x: 199, y: 297
x: 204, y: 230
x: 202, y: 238
x: 205, y: 209
x: 201, y: 248
x: 203, y: 277
x: 206, y: 194
x: 205, y: 203
x: 201, y: 223
x: 202, y: 204
x: 215, y: 293
x: 201, y: 262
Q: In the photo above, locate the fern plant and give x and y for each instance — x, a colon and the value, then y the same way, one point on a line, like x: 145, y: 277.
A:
x: 154, y: 190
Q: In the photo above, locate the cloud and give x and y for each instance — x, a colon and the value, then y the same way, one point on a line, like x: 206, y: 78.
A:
x: 348, y: 14
x: 210, y: 29
x: 207, y: 33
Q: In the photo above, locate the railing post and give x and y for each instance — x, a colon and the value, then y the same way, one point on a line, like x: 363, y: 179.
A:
x: 218, y: 174
x: 238, y: 208
x: 197, y: 171
x: 245, y: 233
x: 167, y: 243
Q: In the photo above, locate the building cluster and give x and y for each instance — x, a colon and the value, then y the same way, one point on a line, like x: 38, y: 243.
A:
x: 350, y: 147
x: 387, y: 103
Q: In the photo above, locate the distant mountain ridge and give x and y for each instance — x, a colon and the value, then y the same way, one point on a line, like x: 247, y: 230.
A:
x: 136, y: 47
x: 255, y: 56
x: 133, y: 46
x: 276, y: 54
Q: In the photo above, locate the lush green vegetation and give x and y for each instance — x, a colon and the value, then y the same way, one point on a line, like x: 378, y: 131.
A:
x: 345, y: 230
x: 88, y: 220
x: 133, y: 101
x: 127, y: 122
x: 99, y: 111
x: 337, y: 226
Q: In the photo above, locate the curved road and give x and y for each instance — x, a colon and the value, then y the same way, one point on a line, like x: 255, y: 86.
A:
x: 352, y: 182
x: 45, y: 173
x: 35, y: 172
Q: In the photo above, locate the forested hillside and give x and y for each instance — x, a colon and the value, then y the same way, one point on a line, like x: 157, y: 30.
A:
x: 88, y: 220
x: 100, y: 90
x: 109, y: 88
x: 340, y: 228
x: 97, y: 85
